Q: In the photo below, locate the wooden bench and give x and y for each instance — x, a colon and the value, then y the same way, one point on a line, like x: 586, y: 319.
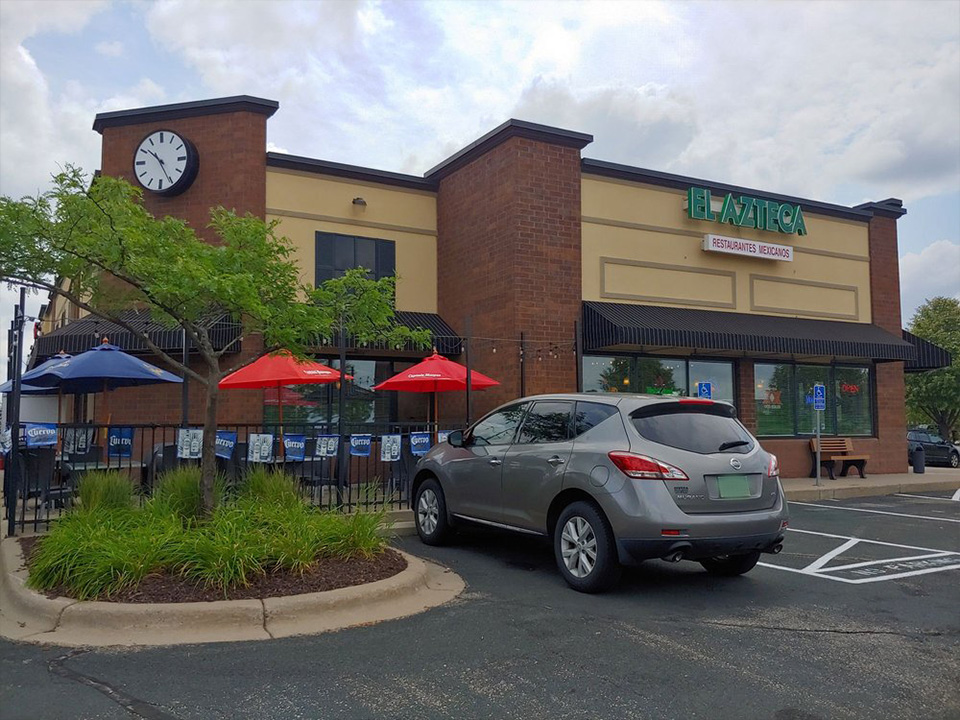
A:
x: 833, y: 449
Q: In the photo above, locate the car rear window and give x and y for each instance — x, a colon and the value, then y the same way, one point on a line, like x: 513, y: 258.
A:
x: 703, y: 429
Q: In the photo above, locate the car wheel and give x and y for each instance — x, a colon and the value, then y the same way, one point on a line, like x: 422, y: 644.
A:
x: 730, y: 565
x: 430, y: 513
x: 954, y: 459
x: 585, y: 548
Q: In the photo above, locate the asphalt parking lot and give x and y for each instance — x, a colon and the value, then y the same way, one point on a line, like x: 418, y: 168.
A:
x: 858, y: 617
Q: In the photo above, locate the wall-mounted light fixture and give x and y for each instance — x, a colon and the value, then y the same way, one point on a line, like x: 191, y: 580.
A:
x: 359, y: 201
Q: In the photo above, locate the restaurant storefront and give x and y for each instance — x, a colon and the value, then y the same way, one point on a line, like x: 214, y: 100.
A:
x: 557, y: 273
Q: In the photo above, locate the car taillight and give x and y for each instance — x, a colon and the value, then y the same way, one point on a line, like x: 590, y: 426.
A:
x: 642, y: 467
x: 773, y: 469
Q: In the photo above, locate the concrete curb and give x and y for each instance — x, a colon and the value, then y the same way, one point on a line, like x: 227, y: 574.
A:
x: 28, y: 616
x: 826, y: 492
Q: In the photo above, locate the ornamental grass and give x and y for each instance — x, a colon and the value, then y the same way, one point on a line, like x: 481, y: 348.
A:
x: 106, y: 544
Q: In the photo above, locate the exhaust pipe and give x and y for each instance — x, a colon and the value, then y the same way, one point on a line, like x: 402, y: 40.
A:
x: 675, y: 556
x: 774, y: 549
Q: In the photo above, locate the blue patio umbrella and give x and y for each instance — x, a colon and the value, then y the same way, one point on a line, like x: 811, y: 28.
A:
x: 26, y: 389
x: 105, y: 367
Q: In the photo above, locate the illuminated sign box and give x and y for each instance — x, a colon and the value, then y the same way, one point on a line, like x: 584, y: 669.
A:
x: 750, y: 248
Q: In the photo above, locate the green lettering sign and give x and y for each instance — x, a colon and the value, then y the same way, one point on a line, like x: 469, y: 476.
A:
x: 748, y: 212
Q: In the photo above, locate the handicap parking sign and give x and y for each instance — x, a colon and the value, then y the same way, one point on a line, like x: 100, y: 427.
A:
x: 819, y: 397
x: 705, y: 390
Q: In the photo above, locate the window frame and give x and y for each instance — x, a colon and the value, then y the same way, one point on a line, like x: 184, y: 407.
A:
x: 380, y: 246
x: 572, y: 408
x: 832, y: 380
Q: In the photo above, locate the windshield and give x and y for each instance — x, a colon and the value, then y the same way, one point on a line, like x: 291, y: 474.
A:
x: 703, y: 429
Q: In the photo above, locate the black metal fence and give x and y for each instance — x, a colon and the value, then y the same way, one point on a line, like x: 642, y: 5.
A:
x: 370, y: 466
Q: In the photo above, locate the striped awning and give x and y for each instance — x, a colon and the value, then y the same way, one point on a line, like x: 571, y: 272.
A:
x: 929, y: 356
x: 611, y: 326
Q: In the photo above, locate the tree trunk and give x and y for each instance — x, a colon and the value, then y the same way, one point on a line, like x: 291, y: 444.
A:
x: 208, y: 464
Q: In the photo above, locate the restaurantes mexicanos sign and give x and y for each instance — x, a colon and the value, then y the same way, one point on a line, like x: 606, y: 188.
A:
x: 746, y: 211
x: 753, y: 248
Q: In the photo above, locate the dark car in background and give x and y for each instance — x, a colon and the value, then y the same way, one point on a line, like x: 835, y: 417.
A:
x: 937, y: 451
x: 610, y: 479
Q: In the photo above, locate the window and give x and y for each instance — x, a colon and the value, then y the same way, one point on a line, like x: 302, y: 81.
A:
x: 338, y: 253
x: 499, y: 428
x: 547, y: 422
x: 701, y: 429
x: 657, y: 376
x: 783, y: 396
x: 589, y: 415
x: 774, y: 399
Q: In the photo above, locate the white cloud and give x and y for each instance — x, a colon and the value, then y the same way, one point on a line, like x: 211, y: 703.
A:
x: 109, y: 49
x: 933, y: 271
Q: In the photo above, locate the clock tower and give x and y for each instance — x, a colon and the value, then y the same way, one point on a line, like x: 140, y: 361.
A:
x: 194, y: 156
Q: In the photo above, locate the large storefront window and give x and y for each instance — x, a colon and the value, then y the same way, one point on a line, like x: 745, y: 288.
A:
x: 657, y: 376
x: 313, y: 404
x: 783, y: 394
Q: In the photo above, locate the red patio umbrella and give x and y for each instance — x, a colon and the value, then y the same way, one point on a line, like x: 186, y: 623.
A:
x: 436, y: 374
x: 279, y: 369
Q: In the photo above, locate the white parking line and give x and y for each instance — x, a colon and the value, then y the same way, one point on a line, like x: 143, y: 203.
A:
x: 930, y: 497
x: 872, y: 570
x: 956, y: 495
x: 876, y: 512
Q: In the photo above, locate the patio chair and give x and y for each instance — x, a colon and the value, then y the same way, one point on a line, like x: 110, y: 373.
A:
x: 42, y: 480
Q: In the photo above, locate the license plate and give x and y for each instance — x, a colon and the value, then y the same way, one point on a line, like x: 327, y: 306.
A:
x: 733, y: 486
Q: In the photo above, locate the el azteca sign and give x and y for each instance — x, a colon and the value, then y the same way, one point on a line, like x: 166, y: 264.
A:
x: 751, y: 248
x: 745, y: 211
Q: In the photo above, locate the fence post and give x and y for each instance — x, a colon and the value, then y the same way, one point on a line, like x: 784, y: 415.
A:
x: 16, y: 482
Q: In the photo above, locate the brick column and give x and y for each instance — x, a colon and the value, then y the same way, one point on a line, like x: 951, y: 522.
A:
x: 890, y: 453
x: 746, y: 403
x: 508, y: 256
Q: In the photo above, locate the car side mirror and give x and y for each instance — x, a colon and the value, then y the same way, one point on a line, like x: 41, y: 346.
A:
x: 456, y: 438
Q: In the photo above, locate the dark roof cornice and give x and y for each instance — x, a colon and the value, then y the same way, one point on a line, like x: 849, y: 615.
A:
x: 889, y: 208
x: 159, y: 113
x: 682, y: 182
x: 510, y: 129
x: 353, y: 172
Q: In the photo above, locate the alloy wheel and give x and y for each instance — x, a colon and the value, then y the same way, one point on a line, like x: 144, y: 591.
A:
x: 428, y: 511
x: 578, y: 546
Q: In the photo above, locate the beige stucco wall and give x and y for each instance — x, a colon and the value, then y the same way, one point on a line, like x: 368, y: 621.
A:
x: 305, y: 203
x: 640, y: 246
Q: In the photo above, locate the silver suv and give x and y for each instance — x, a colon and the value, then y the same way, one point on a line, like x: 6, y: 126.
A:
x: 611, y: 479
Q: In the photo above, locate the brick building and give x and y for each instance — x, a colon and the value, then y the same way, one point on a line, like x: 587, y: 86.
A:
x: 558, y: 272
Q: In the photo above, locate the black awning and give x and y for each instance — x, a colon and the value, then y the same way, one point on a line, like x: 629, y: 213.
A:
x: 608, y: 326
x: 444, y: 338
x: 87, y: 332
x: 929, y: 356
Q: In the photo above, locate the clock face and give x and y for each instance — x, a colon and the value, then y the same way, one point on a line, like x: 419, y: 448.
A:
x: 165, y: 162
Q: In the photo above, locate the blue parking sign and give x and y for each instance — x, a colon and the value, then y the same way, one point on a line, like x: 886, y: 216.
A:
x: 705, y: 390
x: 819, y: 397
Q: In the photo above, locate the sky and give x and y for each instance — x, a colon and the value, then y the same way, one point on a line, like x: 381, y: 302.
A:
x: 842, y: 102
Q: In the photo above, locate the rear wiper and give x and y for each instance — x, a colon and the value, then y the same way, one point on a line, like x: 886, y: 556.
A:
x: 733, y: 444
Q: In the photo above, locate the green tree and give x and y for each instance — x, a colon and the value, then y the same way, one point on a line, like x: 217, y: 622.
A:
x: 93, y: 243
x: 934, y: 396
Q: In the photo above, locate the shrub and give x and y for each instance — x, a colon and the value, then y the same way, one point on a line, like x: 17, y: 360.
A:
x: 180, y: 493
x: 269, y: 486
x: 103, y: 489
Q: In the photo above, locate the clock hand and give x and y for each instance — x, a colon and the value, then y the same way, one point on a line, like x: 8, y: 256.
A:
x: 162, y: 167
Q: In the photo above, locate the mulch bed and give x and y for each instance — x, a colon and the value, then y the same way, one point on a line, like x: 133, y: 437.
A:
x: 327, y: 574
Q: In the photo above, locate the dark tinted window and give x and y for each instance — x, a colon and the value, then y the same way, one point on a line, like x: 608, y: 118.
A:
x: 698, y: 428
x: 338, y: 253
x: 589, y: 415
x: 547, y: 422
x: 499, y: 428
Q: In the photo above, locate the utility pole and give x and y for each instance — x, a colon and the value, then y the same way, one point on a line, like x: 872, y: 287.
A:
x: 16, y: 354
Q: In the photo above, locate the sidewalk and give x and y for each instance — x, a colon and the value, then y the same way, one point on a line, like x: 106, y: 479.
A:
x: 935, y: 479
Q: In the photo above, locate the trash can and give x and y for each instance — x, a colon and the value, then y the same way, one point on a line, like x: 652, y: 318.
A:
x: 919, y: 460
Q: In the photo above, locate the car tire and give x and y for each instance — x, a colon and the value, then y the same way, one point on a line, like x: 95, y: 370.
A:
x: 954, y: 460
x: 585, y: 548
x: 430, y: 513
x: 730, y: 565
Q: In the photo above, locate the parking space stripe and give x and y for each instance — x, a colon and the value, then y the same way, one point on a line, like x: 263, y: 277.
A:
x: 928, y: 497
x: 877, y: 512
x: 824, y: 559
x: 911, y: 573
x: 956, y: 495
x: 945, y: 553
x: 874, y: 542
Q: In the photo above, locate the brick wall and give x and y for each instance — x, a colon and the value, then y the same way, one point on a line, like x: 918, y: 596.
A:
x: 232, y: 173
x: 508, y: 256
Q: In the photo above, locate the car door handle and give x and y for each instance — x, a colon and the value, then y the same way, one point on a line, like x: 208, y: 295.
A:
x: 494, y: 462
x: 555, y: 460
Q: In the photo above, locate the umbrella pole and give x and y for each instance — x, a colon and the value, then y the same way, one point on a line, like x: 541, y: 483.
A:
x: 280, y: 408
x: 436, y: 417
